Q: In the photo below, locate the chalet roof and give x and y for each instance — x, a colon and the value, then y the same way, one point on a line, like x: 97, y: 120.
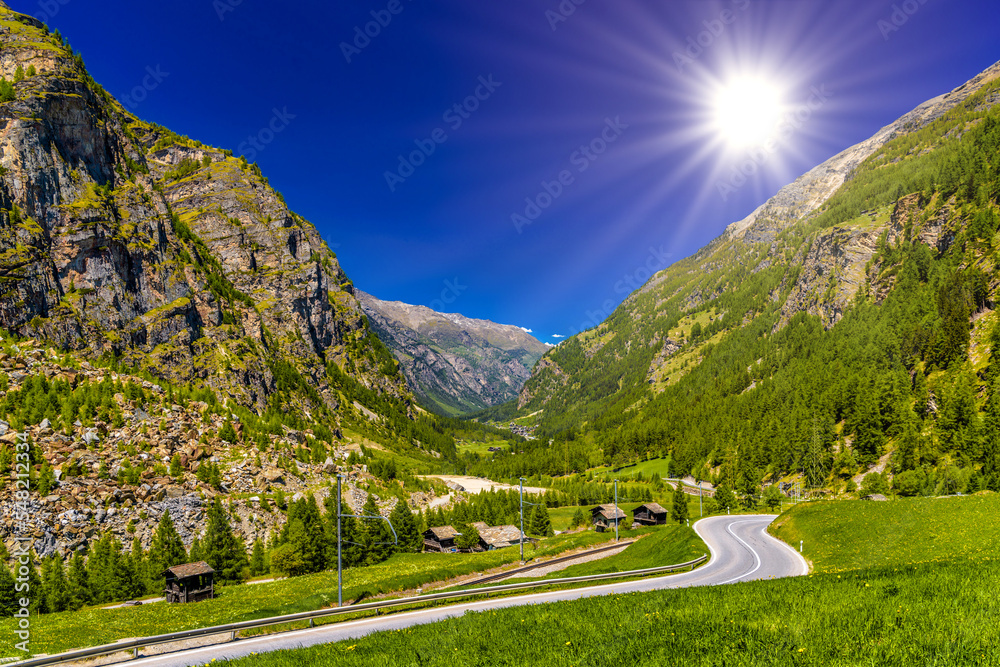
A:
x: 480, y: 526
x: 500, y: 536
x: 189, y: 570
x: 877, y: 497
x: 608, y: 512
x: 652, y: 507
x: 443, y: 532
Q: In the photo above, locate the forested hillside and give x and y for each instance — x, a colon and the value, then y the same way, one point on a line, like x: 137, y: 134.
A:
x: 816, y: 346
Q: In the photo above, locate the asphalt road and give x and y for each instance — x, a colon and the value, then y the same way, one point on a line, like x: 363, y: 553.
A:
x: 741, y: 550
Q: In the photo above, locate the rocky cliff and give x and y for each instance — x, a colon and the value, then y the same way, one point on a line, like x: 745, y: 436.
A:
x: 454, y: 363
x: 121, y: 238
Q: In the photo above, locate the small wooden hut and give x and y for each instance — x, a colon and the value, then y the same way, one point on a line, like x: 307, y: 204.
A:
x: 189, y: 583
x: 441, y: 539
x: 650, y: 514
x: 606, y: 517
x: 499, y: 537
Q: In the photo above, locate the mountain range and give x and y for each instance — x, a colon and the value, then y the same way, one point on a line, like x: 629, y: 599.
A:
x: 866, y: 286
x: 453, y: 363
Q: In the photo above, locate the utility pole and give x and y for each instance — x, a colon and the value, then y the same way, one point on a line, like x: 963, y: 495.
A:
x: 340, y: 571
x: 520, y: 539
x: 616, y: 510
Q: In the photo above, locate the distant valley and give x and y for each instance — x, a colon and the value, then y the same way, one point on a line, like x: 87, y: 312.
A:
x: 454, y: 364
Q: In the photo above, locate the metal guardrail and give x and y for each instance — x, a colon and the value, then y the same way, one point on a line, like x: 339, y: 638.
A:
x: 232, y: 628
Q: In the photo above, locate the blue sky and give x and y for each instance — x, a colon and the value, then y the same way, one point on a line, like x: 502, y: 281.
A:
x: 528, y: 162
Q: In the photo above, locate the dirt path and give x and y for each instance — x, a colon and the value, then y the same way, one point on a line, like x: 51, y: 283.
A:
x: 480, y: 484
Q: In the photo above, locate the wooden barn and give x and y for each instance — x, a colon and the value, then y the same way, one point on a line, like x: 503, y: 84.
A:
x: 606, y: 517
x: 499, y: 537
x: 650, y: 514
x: 441, y: 539
x: 189, y: 583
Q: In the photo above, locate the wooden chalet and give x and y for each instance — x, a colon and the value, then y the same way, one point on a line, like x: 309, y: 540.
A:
x: 189, y: 583
x: 606, y: 517
x: 650, y: 514
x: 499, y: 537
x: 440, y: 539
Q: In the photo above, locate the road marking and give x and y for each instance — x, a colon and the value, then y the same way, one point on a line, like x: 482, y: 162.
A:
x: 756, y: 557
x: 449, y: 611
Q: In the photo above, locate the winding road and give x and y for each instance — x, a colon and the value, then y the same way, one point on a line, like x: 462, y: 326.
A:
x: 741, y: 550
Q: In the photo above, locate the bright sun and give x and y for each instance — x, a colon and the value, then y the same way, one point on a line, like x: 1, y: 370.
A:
x: 747, y: 111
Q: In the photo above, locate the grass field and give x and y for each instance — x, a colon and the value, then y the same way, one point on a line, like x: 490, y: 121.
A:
x: 480, y: 448
x: 852, y: 535
x: 647, y: 468
x: 909, y: 582
x: 53, y: 633
x: 562, y: 517
x: 663, y: 545
x: 919, y: 615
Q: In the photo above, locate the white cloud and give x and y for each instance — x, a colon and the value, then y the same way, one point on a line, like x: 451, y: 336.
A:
x: 558, y: 336
x: 526, y: 330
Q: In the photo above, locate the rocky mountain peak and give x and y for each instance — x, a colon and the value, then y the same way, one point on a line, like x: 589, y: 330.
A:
x: 453, y: 362
x: 813, y: 189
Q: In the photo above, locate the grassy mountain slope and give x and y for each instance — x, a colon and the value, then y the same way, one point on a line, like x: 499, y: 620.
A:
x: 815, y: 342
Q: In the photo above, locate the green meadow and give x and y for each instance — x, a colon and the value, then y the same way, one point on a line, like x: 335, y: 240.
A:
x: 903, y: 583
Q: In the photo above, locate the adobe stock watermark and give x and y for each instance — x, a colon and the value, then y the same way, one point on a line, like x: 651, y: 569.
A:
x: 562, y: 12
x: 449, y: 295
x: 47, y: 9
x: 657, y: 260
x: 363, y: 36
x: 223, y: 7
x: 23, y: 542
x: 580, y: 160
x: 698, y: 44
x: 900, y: 16
x: 455, y: 116
x: 154, y: 77
x: 791, y: 123
x: 255, y: 144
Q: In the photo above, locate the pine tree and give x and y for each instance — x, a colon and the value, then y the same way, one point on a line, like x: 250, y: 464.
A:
x: 410, y: 538
x: 101, y: 566
x: 8, y: 596
x: 57, y: 594
x: 223, y: 551
x: 167, y: 547
x: 258, y: 559
x: 724, y: 497
x: 287, y: 557
x: 679, y: 505
x: 377, y: 538
x: 197, y: 553
x: 468, y: 536
x: 35, y: 583
x: 352, y: 551
x: 227, y: 432
x: 541, y: 524
x: 176, y: 469
x: 309, y: 539
x: 79, y: 584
